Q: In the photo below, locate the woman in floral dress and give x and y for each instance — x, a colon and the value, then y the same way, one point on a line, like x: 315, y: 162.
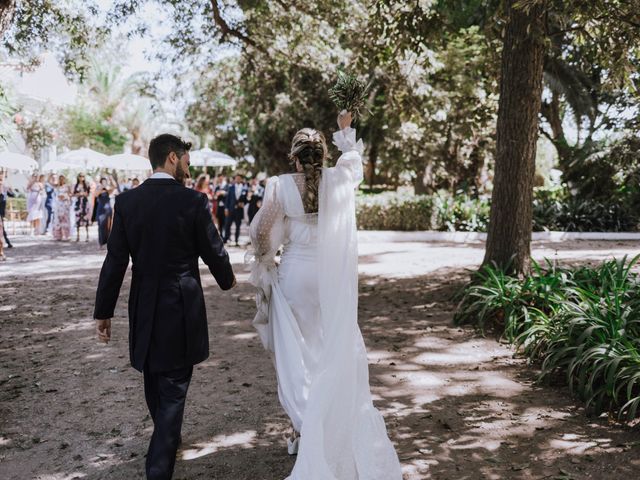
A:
x: 62, y: 210
x: 81, y: 193
x: 35, y: 202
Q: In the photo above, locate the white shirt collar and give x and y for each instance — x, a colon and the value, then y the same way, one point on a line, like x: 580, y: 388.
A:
x: 161, y: 175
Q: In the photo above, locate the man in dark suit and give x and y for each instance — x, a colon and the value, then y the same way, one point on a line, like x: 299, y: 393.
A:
x: 234, y: 207
x: 164, y: 227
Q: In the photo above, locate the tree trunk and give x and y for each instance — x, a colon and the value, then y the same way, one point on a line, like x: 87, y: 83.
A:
x: 421, y: 182
x: 509, y: 236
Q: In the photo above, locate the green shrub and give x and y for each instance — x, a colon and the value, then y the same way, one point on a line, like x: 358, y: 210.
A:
x: 17, y: 203
x: 394, y: 211
x: 556, y: 209
x: 553, y: 209
x: 584, y: 322
x: 461, y: 213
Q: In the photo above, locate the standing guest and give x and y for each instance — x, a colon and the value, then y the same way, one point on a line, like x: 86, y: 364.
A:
x: 81, y: 194
x: 104, y: 212
x: 135, y: 183
x: 234, y: 208
x: 126, y: 186
x: 61, y: 227
x: 35, y: 202
x: 49, y: 189
x: 5, y: 192
x: 2, y: 257
x: 219, y: 194
x: 255, y: 198
x: 202, y: 186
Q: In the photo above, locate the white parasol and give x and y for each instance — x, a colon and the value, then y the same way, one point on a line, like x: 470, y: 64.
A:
x: 17, y: 161
x: 84, y: 157
x: 210, y: 158
x: 58, y: 166
x: 127, y: 161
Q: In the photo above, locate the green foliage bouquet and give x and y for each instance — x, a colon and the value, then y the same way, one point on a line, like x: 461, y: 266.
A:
x: 349, y: 93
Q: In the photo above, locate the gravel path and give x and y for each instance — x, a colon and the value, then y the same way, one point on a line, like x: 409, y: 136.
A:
x: 458, y: 406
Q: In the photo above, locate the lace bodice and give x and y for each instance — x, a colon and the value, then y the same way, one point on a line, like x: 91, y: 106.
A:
x: 282, y: 219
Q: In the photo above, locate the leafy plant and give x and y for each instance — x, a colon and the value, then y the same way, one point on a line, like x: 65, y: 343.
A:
x: 584, y: 322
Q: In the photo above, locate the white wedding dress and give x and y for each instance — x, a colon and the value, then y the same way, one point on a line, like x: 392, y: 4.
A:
x: 307, y: 316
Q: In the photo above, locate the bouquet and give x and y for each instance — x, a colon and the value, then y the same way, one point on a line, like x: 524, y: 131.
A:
x: 349, y: 93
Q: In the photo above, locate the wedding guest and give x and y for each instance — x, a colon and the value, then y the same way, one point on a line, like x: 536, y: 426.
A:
x: 2, y: 256
x: 5, y: 192
x: 234, y: 208
x: 49, y: 189
x: 135, y: 183
x: 219, y: 194
x: 256, y: 193
x: 81, y: 194
x: 61, y: 228
x: 104, y: 212
x: 202, y: 186
x: 35, y: 202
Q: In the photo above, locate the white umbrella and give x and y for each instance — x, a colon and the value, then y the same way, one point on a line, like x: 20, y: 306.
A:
x: 58, y: 166
x: 17, y: 161
x: 84, y: 157
x: 210, y: 158
x: 127, y: 161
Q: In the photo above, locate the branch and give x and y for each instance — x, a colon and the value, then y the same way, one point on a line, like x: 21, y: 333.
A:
x: 228, y: 30
x: 546, y: 134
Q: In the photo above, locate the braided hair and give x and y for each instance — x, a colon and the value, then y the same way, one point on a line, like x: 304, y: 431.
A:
x: 309, y: 147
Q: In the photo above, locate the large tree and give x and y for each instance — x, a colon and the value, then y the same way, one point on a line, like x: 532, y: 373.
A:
x: 612, y: 30
x: 510, y: 223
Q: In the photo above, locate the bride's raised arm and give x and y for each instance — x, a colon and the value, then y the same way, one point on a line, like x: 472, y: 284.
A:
x: 351, y: 159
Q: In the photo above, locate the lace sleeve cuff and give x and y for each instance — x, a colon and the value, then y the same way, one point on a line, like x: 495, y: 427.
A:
x: 345, y: 140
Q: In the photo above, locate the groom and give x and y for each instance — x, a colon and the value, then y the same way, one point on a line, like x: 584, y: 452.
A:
x: 164, y: 227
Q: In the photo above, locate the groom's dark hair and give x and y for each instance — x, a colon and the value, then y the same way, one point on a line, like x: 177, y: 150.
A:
x: 161, y: 146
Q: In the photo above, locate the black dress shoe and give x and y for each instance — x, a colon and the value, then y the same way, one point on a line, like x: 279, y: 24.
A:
x: 9, y: 245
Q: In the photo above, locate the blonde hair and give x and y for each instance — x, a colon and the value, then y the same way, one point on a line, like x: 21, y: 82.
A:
x: 309, y: 147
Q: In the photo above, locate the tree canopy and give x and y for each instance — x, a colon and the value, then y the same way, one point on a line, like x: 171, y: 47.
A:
x: 258, y: 70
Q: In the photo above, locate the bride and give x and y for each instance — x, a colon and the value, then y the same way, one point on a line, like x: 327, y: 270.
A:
x: 308, y: 308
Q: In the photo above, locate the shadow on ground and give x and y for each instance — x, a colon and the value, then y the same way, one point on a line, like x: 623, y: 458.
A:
x: 458, y: 406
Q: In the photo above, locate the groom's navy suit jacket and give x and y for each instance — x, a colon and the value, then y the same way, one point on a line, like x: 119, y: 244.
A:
x: 164, y: 227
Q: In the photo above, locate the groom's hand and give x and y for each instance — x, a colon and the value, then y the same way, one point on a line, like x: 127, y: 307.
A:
x: 103, y: 327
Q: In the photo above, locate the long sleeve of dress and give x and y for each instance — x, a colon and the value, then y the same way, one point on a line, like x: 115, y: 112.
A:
x: 267, y: 234
x: 351, y: 159
x: 267, y: 227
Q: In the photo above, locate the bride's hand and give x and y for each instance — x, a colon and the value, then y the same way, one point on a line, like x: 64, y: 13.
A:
x: 344, y: 119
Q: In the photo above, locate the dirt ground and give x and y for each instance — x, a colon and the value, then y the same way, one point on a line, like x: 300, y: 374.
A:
x: 458, y: 406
